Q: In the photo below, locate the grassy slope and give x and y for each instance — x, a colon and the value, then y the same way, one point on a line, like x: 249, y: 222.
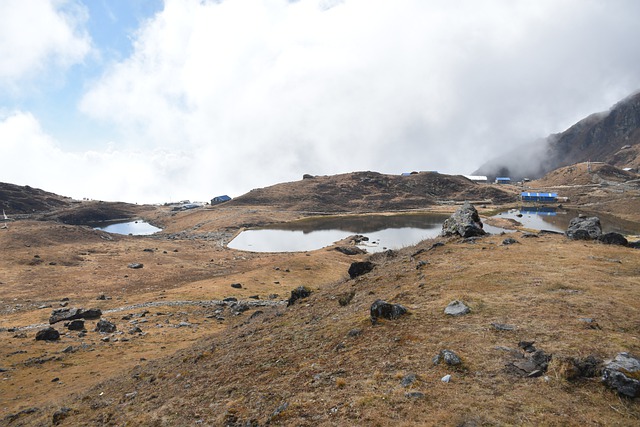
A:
x: 302, y: 356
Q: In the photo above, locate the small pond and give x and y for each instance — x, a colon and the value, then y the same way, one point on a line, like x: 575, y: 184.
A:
x: 135, y: 228
x: 548, y: 218
x: 384, y: 232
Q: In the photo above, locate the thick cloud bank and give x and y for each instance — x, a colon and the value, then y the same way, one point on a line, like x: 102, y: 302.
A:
x: 224, y: 96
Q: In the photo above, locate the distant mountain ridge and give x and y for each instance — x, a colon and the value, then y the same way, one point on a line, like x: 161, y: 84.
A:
x: 612, y: 137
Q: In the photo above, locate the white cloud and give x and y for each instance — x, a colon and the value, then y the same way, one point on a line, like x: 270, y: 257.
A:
x: 37, y: 36
x: 224, y: 96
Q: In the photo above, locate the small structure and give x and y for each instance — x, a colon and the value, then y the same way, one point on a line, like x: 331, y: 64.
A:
x: 477, y: 178
x: 503, y: 180
x: 220, y: 199
x: 539, y: 197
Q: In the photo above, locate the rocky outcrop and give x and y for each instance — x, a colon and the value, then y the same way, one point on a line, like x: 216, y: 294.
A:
x: 581, y: 228
x: 464, y: 222
x: 622, y: 374
x: 67, y: 314
x: 298, y: 293
x: 613, y: 239
x: 105, y: 326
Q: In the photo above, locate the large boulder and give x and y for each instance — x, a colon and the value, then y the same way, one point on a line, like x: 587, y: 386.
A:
x: 622, y: 374
x: 300, y: 292
x: 359, y: 268
x: 581, y: 228
x: 613, y: 239
x: 464, y: 222
x: 104, y: 326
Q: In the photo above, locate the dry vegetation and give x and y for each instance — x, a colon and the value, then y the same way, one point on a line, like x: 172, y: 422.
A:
x: 319, y: 361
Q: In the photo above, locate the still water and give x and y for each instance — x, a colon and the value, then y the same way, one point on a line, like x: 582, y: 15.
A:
x: 384, y: 232
x: 136, y: 228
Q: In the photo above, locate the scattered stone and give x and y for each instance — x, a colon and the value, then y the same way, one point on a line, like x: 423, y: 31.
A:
x: 622, y: 374
x: 47, y: 334
x: 254, y: 296
x: 69, y: 349
x: 75, y: 325
x: 102, y: 297
x: 356, y: 332
x: 584, y: 228
x: 230, y: 299
x: 421, y: 264
x: 255, y: 314
x: 135, y: 330
x: 408, y: 379
x: 503, y: 327
x: 135, y: 265
x: 104, y: 326
x: 61, y: 314
x: 382, y: 309
x: 148, y: 250
x: 527, y: 346
x: 464, y: 222
x: 571, y: 368
x: 44, y: 306
x: 529, y: 235
x: 509, y: 241
x: 236, y: 285
x: 634, y: 245
x: 457, y: 308
x: 359, y: 268
x: 300, y: 292
x: 446, y: 378
x: 414, y: 395
x: 613, y: 239
x: 533, y: 365
x: 448, y: 357
x: 350, y: 250
x: 589, y: 323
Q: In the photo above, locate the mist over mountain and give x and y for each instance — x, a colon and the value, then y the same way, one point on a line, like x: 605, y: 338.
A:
x: 612, y: 136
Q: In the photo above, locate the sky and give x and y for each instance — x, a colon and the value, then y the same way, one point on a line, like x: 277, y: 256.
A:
x: 152, y: 101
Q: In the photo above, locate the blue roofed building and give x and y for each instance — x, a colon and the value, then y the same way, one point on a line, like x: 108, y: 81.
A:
x: 220, y: 199
x: 539, y: 197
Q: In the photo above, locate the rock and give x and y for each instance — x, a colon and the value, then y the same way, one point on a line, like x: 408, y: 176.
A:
x: 345, y: 298
x: 448, y: 357
x: 414, y: 395
x: 60, y: 415
x: 230, y: 299
x: 571, y: 368
x: 446, y: 378
x: 584, y: 228
x: 622, y: 374
x: 135, y: 330
x: 236, y: 285
x: 300, y: 292
x: 634, y: 245
x: 75, y: 325
x: 104, y: 326
x: 61, y: 314
x: 527, y: 346
x: 135, y: 265
x: 464, y: 222
x: 457, y: 308
x: 613, y: 239
x: 509, y: 241
x: 350, y: 250
x: 533, y: 365
x: 356, y: 332
x: 408, y: 379
x: 47, y: 334
x: 359, y: 268
x: 528, y: 235
x: 503, y: 327
x: 382, y: 309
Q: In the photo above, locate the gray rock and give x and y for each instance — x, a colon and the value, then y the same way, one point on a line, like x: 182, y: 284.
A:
x: 509, y: 241
x: 448, y: 357
x: 135, y: 265
x: 414, y: 395
x: 457, y: 308
x: 104, y: 326
x: 613, y: 239
x: 359, y: 268
x: 408, y: 379
x: 503, y: 327
x: 350, y: 250
x: 620, y: 374
x: 66, y: 314
x: 464, y: 222
x: 384, y: 310
x: 47, y: 334
x: 584, y: 228
x: 75, y: 325
x: 236, y: 285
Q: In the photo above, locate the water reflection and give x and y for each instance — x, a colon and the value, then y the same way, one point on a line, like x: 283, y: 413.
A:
x: 136, y: 228
x: 383, y: 231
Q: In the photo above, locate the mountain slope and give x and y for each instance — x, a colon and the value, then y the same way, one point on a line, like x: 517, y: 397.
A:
x: 612, y: 137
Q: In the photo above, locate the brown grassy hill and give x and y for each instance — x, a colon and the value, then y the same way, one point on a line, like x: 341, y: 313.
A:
x: 16, y: 199
x: 586, y: 174
x: 321, y: 362
x: 370, y: 192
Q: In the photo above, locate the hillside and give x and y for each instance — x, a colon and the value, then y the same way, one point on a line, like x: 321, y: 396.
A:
x: 370, y: 192
x: 612, y: 137
x: 16, y: 200
x: 322, y: 362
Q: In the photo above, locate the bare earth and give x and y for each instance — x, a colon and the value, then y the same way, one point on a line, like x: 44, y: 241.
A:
x: 320, y: 361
